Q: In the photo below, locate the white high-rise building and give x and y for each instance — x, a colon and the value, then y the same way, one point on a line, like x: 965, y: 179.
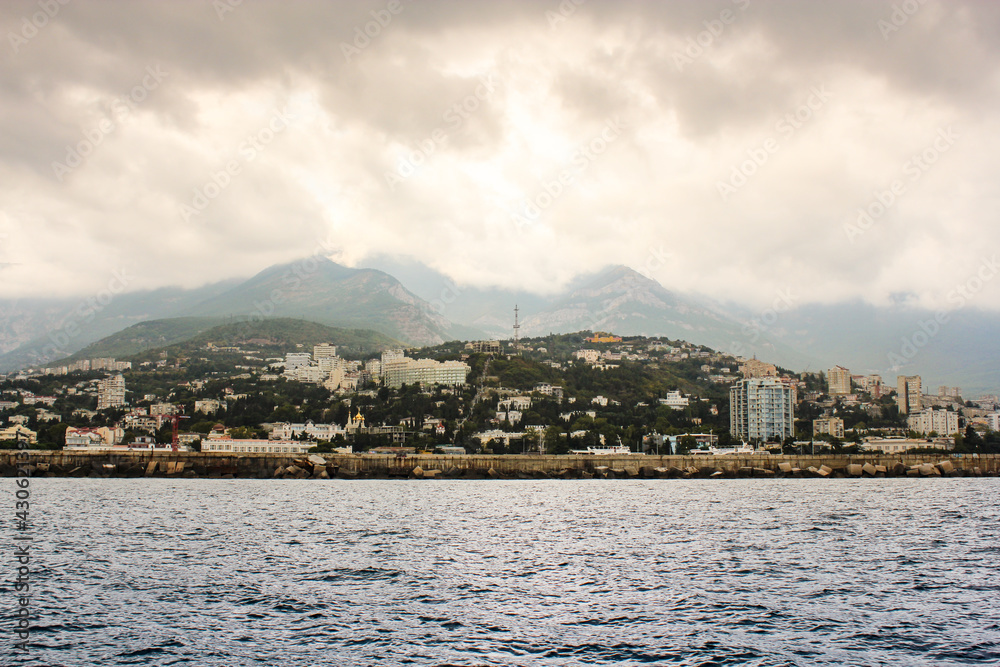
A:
x: 324, y: 351
x: 295, y: 360
x: 761, y: 409
x: 398, y: 372
x: 391, y: 355
x: 944, y: 422
x: 111, y: 392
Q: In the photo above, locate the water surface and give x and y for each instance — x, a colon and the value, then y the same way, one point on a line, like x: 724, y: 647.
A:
x: 550, y: 572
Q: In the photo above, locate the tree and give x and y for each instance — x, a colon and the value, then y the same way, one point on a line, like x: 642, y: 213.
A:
x: 972, y: 440
x: 165, y: 434
x: 202, y: 427
x: 686, y: 444
x: 555, y: 442
x: 52, y: 437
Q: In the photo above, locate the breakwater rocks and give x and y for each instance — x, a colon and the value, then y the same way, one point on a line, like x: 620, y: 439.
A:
x: 41, y: 463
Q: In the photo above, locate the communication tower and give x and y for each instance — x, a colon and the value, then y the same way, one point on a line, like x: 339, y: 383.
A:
x: 517, y: 332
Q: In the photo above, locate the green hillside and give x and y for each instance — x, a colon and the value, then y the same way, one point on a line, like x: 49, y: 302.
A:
x: 280, y: 335
x: 144, y: 336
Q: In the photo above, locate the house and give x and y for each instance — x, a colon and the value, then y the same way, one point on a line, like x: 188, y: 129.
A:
x: 208, y: 407
x: 18, y: 432
x: 675, y: 400
x: 89, y: 438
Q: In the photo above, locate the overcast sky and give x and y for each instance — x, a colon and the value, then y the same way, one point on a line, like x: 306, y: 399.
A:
x: 725, y: 148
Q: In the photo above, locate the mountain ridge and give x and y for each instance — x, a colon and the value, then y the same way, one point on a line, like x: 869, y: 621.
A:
x: 613, y: 298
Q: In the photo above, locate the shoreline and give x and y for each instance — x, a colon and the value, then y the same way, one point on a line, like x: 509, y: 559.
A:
x: 61, y: 463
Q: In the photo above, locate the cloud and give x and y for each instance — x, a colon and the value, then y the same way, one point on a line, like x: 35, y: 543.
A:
x: 473, y: 136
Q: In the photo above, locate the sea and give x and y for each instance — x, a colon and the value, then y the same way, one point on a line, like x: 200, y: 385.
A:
x: 502, y: 572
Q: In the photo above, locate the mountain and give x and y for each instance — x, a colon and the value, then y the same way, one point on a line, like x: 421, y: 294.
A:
x: 37, y: 331
x: 867, y: 339
x: 961, y: 351
x: 620, y: 300
x: 615, y: 298
x: 325, y: 292
x: 488, y: 310
x: 958, y: 348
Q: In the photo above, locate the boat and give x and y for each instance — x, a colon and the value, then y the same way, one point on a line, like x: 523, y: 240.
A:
x: 724, y: 451
x: 619, y: 450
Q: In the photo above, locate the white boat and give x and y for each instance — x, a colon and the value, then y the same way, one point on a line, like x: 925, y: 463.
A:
x: 605, y: 451
x: 723, y: 451
x: 620, y: 450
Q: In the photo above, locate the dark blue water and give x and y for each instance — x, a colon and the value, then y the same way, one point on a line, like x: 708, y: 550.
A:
x: 674, y: 572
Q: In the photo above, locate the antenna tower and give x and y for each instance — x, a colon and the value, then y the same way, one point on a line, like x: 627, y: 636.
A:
x: 517, y: 331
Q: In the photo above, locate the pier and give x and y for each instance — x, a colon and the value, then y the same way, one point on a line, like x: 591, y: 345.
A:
x: 143, y: 463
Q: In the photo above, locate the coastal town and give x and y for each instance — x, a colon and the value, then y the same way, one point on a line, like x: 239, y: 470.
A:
x: 584, y: 393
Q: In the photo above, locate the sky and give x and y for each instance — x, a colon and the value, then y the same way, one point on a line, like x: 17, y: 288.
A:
x: 732, y: 149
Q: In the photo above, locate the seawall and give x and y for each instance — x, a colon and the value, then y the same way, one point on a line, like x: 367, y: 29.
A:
x: 139, y: 463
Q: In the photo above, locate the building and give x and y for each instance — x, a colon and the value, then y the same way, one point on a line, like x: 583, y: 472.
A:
x: 994, y: 421
x: 18, y: 431
x: 602, y: 337
x: 838, y: 380
x: 754, y: 368
x: 949, y: 392
x: 832, y: 426
x: 514, y: 403
x: 31, y: 399
x: 908, y: 391
x: 83, y: 438
x: 208, y: 406
x: 675, y: 400
x: 111, y: 392
x: 324, y: 351
x: 287, y: 431
x: 44, y: 415
x: 163, y: 409
x: 398, y: 372
x: 89, y: 438
x: 944, y: 422
x: 871, y: 384
x: 295, y: 360
x: 702, y: 440
x: 549, y: 390
x: 588, y: 356
x: 257, y: 446
x: 761, y: 409
x: 391, y: 355
x: 484, y: 346
x: 903, y: 445
x: 308, y: 373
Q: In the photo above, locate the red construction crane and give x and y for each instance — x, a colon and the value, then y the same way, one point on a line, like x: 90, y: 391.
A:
x: 176, y: 420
